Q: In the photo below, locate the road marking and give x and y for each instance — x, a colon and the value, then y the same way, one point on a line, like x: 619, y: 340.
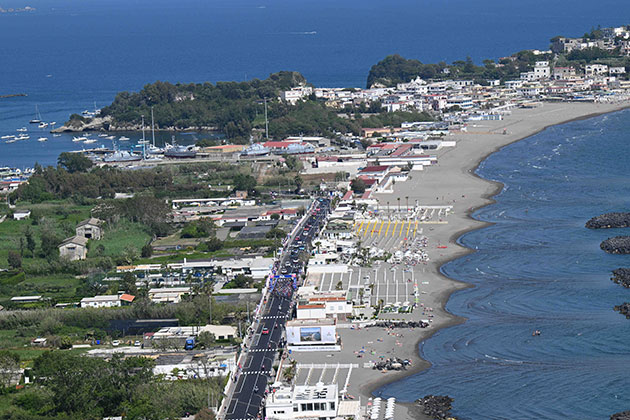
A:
x: 387, y: 230
x: 381, y: 228
x: 394, y: 230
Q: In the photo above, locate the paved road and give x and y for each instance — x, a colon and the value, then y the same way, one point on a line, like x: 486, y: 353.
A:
x: 253, y: 376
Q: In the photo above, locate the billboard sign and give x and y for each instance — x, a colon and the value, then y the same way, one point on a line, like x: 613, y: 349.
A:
x: 310, y: 334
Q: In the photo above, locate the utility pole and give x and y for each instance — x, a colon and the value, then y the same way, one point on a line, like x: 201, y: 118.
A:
x: 210, y: 308
x: 266, y: 121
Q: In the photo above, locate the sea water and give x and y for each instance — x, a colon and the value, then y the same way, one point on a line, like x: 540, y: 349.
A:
x: 538, y: 268
x: 69, y: 54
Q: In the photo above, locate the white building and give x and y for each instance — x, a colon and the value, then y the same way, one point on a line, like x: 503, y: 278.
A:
x: 542, y: 70
x: 596, y: 69
x: 22, y: 215
x: 295, y: 94
x: 168, y: 294
x: 303, y: 402
x: 103, y: 301
x: 616, y: 70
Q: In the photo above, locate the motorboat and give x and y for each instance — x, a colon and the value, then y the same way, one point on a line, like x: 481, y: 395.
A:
x: 43, y: 124
x: 102, y: 135
x: 122, y: 156
x: 56, y: 135
x: 42, y: 139
x: 90, y: 141
x: 123, y: 138
x: 7, y: 137
x: 22, y: 130
x: 23, y: 137
x: 81, y: 138
x: 111, y: 137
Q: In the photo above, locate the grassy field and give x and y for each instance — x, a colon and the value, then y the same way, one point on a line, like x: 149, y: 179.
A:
x: 119, y: 238
x: 60, y: 216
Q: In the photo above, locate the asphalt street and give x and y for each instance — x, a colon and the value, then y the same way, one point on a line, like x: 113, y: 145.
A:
x: 267, y: 340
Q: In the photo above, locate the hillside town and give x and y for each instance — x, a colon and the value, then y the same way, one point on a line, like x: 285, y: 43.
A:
x: 280, y: 276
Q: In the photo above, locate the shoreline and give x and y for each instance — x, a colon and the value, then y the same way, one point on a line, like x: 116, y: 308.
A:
x: 450, y: 286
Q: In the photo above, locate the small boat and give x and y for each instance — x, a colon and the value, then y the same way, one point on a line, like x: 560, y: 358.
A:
x: 42, y: 139
x: 123, y: 138
x: 22, y: 130
x: 53, y: 123
x: 56, y: 135
x: 81, y: 138
x: 23, y: 137
x: 110, y: 137
x: 7, y: 137
x: 43, y: 124
x: 11, y: 141
x: 102, y: 135
x: 90, y: 141
x: 38, y: 117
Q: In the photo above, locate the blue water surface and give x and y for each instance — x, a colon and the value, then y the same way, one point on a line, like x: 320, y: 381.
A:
x: 69, y: 54
x: 538, y: 267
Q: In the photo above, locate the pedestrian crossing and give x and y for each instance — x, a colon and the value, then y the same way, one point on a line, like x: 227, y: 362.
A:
x: 273, y: 317
x: 263, y: 350
x: 256, y: 372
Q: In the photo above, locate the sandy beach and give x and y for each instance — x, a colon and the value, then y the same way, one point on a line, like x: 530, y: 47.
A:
x: 451, y: 182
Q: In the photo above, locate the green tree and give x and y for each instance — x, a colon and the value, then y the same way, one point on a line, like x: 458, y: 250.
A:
x: 357, y: 185
x: 74, y: 162
x: 128, y: 283
x: 147, y: 250
x: 30, y: 242
x: 205, y: 414
x: 244, y: 182
x: 276, y: 233
x: 214, y: 244
x: 14, y: 259
x: 9, y: 367
x: 206, y: 339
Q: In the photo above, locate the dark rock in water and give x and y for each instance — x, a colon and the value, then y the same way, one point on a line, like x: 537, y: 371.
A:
x: 616, y: 245
x: 609, y: 220
x: 621, y: 276
x: 624, y: 309
x: 624, y: 415
x: 436, y: 406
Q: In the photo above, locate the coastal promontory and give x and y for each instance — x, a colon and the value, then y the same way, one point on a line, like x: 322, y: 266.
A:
x: 609, y: 221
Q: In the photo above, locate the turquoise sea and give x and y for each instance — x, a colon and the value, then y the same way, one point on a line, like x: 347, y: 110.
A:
x: 536, y: 268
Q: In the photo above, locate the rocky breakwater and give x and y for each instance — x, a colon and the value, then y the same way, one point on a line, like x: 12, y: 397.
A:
x: 624, y: 309
x: 609, y: 221
x: 616, y: 245
x: 621, y: 276
x: 624, y: 415
x: 436, y: 406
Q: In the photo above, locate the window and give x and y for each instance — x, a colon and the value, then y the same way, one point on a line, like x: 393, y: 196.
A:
x: 303, y: 407
x: 309, y: 406
x: 332, y: 405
